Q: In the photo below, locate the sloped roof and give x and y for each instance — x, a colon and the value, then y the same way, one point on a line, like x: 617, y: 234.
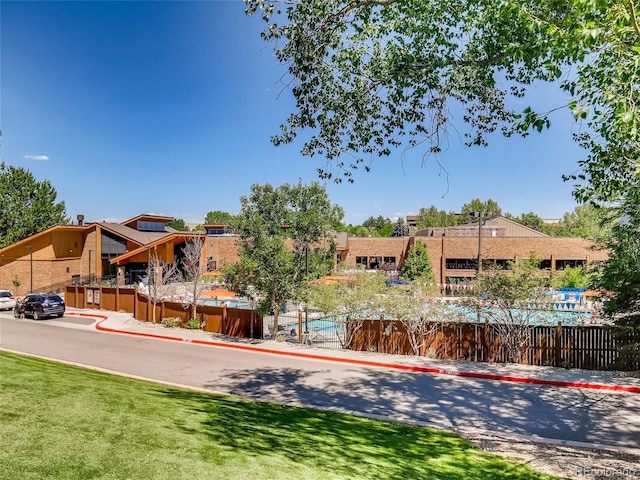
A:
x: 505, y: 226
x: 27, y: 240
x: 146, y: 217
x: 141, y: 238
x: 166, y: 238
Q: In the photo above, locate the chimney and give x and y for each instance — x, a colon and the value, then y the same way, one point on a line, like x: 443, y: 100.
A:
x: 80, y: 219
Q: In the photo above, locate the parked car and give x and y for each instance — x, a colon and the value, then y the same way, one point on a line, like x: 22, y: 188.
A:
x: 43, y: 305
x: 7, y: 300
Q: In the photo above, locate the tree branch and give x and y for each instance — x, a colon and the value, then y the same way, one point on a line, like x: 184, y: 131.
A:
x: 634, y: 20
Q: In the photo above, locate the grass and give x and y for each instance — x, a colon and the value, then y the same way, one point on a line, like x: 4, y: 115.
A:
x: 62, y: 422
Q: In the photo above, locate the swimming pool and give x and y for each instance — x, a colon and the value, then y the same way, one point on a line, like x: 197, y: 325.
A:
x: 469, y: 315
x: 230, y: 303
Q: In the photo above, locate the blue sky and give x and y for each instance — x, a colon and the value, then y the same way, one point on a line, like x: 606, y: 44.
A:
x: 168, y: 108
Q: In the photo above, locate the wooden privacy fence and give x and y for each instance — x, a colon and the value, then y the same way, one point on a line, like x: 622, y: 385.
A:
x: 235, y: 322
x: 590, y: 347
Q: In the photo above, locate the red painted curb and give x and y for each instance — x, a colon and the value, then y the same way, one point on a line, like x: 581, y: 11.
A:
x: 438, y: 371
x: 369, y: 363
x: 113, y: 330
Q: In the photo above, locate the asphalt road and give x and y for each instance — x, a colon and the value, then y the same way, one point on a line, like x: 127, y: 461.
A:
x: 504, y: 408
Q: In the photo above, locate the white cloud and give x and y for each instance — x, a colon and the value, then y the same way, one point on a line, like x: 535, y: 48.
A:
x: 41, y: 158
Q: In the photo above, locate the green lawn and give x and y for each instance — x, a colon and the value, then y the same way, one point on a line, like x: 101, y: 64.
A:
x: 63, y: 422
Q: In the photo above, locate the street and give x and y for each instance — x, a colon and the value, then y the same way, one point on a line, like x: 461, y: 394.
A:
x: 467, y: 404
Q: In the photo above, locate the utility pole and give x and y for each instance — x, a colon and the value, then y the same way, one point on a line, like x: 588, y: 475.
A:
x: 306, y: 299
x: 479, y: 300
x: 479, y: 243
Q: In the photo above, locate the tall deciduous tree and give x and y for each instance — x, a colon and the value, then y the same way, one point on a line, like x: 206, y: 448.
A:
x: 419, y: 312
x: 621, y: 275
x: 281, y: 230
x: 371, y: 76
x: 532, y: 220
x: 518, y: 299
x: 433, y: 217
x: 27, y: 206
x: 376, y: 223
x: 162, y: 277
x: 587, y: 221
x: 178, y: 224
x: 218, y: 217
x: 489, y: 208
x: 193, y: 269
x: 349, y: 303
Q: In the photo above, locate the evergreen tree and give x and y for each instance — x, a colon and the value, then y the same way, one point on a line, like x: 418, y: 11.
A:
x: 417, y: 266
x: 27, y: 206
x: 400, y: 228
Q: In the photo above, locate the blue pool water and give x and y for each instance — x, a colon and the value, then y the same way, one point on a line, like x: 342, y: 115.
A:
x: 230, y: 303
x: 328, y: 324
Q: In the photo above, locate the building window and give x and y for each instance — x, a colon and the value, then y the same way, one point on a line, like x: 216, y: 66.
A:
x: 361, y: 261
x: 562, y: 264
x: 545, y: 264
x: 211, y: 264
x: 389, y: 262
x: 375, y: 263
x: 147, y: 226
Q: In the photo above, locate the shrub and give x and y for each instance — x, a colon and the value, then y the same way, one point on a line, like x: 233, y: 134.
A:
x: 171, y: 322
x: 194, y: 323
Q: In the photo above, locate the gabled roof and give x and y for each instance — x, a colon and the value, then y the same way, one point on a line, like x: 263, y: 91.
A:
x: 166, y: 239
x: 136, y: 236
x: 504, y: 226
x: 513, y: 228
x: 146, y: 217
x: 25, y: 241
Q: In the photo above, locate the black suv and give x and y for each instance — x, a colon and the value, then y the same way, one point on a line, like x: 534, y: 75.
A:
x: 41, y: 305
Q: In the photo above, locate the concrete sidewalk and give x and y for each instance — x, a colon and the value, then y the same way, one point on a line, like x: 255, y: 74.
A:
x: 124, y: 323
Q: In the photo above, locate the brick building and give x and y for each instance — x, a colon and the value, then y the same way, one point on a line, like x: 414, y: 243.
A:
x: 454, y: 250
x: 77, y: 254
x: 67, y: 254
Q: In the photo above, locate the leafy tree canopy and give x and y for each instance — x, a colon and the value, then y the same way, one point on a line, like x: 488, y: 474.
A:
x: 433, y: 217
x: 417, y: 266
x: 371, y: 76
x: 218, y: 217
x: 531, y: 220
x: 519, y: 298
x: 27, y: 206
x: 272, y: 219
x: 360, y: 231
x: 621, y: 274
x: 178, y: 224
x: 571, y: 277
x: 588, y: 221
x: 376, y: 223
x: 489, y: 208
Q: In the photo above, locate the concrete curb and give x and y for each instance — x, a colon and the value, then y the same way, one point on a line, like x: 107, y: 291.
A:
x: 369, y: 363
